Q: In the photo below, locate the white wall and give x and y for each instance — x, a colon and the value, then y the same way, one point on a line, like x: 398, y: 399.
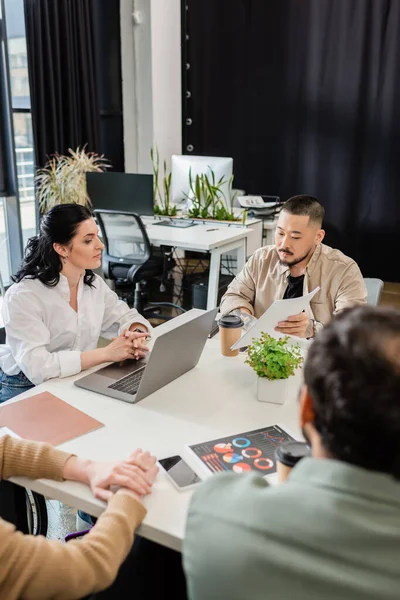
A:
x: 136, y: 84
x: 166, y: 76
x: 151, y: 80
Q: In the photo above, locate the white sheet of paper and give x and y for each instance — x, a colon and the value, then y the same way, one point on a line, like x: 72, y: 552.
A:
x: 280, y: 310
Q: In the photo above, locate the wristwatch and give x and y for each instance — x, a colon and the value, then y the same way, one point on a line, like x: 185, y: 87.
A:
x: 316, y: 326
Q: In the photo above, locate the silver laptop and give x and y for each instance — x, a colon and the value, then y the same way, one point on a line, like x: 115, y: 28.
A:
x: 174, y: 353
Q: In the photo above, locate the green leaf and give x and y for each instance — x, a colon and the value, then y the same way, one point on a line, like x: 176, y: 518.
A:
x: 272, y: 358
x: 198, y: 190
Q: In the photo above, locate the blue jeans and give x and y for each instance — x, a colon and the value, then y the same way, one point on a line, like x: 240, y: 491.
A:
x: 12, y: 385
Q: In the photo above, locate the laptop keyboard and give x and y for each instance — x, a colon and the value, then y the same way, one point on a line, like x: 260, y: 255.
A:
x: 130, y: 383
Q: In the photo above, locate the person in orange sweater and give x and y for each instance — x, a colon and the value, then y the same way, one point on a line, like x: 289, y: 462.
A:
x: 36, y: 568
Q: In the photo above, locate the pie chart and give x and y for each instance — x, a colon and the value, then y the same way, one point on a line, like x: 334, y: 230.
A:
x: 264, y: 464
x: 223, y: 448
x: 231, y: 458
x: 241, y: 442
x: 252, y: 453
x: 241, y: 467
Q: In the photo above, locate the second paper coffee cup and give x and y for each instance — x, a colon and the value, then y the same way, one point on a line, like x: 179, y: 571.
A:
x: 288, y: 455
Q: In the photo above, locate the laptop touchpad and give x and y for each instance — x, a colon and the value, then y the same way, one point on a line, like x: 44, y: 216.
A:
x: 120, y: 369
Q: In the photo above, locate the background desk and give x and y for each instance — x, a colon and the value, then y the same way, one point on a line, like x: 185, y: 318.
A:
x: 211, y: 238
x: 216, y: 398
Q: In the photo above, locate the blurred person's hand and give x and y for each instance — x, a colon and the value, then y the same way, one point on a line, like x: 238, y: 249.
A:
x: 134, y: 475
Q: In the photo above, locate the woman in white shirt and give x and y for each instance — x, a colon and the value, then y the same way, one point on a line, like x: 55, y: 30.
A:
x: 58, y: 308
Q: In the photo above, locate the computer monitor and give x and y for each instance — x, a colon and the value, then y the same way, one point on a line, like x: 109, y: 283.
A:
x: 181, y: 165
x: 127, y: 192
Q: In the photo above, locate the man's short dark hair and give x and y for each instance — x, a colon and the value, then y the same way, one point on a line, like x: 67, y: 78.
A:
x: 305, y: 206
x: 353, y: 376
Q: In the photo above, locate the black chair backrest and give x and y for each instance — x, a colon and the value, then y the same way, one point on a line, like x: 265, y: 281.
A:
x: 124, y: 236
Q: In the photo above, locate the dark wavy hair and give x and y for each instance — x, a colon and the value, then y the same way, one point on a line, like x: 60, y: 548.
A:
x: 59, y: 226
x: 353, y: 376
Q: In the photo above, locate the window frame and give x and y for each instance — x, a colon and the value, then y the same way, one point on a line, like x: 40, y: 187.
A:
x: 9, y: 194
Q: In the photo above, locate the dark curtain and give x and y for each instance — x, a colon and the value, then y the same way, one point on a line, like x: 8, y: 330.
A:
x: 305, y: 95
x: 61, y: 61
x: 107, y: 43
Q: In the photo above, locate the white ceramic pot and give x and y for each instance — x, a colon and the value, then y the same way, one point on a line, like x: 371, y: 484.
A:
x: 274, y: 391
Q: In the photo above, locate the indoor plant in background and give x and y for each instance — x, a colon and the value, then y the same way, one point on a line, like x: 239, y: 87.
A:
x: 207, y: 200
x: 274, y: 361
x: 63, y: 178
x: 162, y: 201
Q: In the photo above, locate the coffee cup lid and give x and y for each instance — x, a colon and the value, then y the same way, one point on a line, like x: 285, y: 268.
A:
x: 289, y: 453
x: 231, y: 322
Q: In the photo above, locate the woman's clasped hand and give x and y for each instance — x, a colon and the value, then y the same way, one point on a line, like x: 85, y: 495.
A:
x: 130, y: 344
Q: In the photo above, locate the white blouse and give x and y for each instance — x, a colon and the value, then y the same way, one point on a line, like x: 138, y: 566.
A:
x: 45, y: 336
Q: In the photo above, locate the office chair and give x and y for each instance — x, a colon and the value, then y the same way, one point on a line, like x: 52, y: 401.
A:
x: 374, y: 290
x: 129, y: 262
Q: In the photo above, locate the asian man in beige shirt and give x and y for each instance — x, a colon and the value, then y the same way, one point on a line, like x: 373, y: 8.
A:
x: 297, y: 264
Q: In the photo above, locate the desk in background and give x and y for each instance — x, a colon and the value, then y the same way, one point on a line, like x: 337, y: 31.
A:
x: 213, y: 238
x: 216, y: 398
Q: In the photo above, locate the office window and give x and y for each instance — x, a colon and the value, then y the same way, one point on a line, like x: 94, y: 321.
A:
x: 4, y: 254
x: 25, y: 172
x: 22, y: 118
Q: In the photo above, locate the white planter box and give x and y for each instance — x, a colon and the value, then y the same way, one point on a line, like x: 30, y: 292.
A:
x: 274, y: 391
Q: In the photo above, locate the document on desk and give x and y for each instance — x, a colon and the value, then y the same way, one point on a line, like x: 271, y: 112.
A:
x: 280, y: 310
x: 45, y: 418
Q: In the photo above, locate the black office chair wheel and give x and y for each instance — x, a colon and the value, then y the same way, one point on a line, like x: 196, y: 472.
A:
x: 36, y: 512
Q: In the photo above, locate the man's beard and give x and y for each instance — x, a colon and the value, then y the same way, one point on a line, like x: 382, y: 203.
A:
x: 295, y: 261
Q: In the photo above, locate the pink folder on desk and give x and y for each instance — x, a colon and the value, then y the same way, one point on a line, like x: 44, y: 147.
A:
x: 46, y: 418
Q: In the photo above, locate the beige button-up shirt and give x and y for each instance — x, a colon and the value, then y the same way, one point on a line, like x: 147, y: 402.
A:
x: 264, y: 279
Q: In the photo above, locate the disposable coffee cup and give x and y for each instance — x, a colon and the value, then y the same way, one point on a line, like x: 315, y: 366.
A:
x: 230, y: 331
x: 288, y: 455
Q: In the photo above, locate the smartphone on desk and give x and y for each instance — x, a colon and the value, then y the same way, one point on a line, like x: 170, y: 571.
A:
x: 178, y: 471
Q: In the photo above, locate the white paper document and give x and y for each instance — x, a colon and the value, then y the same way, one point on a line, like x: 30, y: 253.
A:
x: 280, y: 310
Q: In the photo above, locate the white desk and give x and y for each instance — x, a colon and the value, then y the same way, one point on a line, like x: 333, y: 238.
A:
x: 216, y: 398
x: 254, y: 239
x: 211, y: 238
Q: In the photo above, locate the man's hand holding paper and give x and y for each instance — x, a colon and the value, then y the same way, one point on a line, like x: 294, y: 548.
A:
x: 299, y: 325
x: 291, y: 312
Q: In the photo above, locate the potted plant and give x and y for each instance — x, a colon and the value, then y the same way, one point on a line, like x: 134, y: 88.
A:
x: 274, y: 361
x: 63, y: 178
x: 207, y: 198
x: 162, y: 201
